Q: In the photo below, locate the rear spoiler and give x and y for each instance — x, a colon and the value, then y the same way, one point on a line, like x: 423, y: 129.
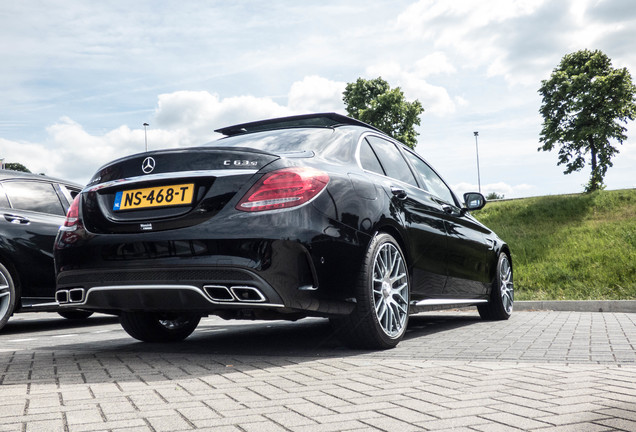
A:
x: 328, y: 120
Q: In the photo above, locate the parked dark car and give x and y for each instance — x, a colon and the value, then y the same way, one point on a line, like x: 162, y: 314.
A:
x: 314, y: 215
x: 33, y: 208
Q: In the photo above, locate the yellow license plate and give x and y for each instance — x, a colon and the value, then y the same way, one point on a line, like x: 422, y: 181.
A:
x: 160, y: 196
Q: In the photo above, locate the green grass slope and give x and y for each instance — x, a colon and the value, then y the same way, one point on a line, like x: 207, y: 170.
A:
x: 569, y: 247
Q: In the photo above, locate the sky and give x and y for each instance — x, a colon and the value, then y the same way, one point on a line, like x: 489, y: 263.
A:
x: 79, y: 78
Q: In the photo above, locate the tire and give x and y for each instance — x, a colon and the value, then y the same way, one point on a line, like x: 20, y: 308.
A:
x: 381, y: 315
x: 502, y: 294
x: 7, y: 295
x: 75, y: 314
x: 156, y: 327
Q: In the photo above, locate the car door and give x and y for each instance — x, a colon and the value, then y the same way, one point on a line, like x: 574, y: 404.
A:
x: 28, y: 227
x: 467, y: 247
x: 422, y: 217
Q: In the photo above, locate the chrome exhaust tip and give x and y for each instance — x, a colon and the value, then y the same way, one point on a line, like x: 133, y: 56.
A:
x: 76, y: 295
x: 61, y: 296
x: 219, y: 293
x: 248, y: 294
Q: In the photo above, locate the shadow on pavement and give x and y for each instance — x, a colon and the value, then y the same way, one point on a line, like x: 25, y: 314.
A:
x: 311, y: 337
x: 51, y: 321
x: 214, y: 348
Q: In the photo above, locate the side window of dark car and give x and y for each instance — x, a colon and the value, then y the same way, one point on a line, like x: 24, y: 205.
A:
x: 368, y: 158
x: 392, y: 161
x: 34, y: 196
x: 4, y: 202
x: 430, y: 180
x: 69, y: 193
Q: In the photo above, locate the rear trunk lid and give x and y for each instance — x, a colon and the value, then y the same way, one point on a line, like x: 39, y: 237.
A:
x: 167, y: 189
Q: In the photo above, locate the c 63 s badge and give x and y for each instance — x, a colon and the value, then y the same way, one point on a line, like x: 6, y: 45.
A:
x: 240, y: 163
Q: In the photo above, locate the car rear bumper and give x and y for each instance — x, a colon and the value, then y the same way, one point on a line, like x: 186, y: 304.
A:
x: 297, y: 270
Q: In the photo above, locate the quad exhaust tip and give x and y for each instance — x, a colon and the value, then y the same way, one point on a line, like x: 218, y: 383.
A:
x: 218, y: 293
x: 75, y: 295
x: 240, y: 294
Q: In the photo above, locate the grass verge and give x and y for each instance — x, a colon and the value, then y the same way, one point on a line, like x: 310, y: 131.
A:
x: 569, y: 247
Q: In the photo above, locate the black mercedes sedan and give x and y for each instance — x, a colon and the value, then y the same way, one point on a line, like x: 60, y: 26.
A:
x: 312, y: 215
x: 32, y: 208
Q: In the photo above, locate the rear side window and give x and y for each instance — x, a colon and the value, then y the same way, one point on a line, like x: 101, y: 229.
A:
x: 34, y: 196
x: 4, y: 202
x: 69, y: 193
x: 391, y: 159
x: 430, y: 180
x: 368, y: 159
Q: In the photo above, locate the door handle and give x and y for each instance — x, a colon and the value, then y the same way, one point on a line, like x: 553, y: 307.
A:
x: 399, y: 193
x: 18, y: 220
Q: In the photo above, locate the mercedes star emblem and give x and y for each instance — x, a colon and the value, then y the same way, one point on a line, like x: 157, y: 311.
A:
x: 148, y: 165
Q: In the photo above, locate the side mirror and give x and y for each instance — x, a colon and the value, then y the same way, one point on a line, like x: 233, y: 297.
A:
x: 474, y: 201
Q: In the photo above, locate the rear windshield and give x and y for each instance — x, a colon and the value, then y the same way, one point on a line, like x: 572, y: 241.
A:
x: 326, y: 143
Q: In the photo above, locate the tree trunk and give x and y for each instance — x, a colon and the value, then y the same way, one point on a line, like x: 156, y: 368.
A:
x: 595, y: 181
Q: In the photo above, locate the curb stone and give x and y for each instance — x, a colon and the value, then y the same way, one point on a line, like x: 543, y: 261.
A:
x: 628, y: 306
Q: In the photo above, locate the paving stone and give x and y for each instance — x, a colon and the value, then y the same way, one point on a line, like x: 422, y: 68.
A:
x: 550, y: 371
x: 44, y: 426
x: 521, y: 422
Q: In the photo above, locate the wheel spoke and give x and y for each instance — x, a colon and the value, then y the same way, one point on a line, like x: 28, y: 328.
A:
x: 398, y: 277
x: 384, y: 262
x: 395, y: 325
x: 380, y: 305
x: 394, y: 262
x: 5, y: 290
x: 399, y: 294
x: 400, y: 308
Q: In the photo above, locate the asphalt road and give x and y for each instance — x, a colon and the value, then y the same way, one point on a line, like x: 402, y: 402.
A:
x: 569, y: 371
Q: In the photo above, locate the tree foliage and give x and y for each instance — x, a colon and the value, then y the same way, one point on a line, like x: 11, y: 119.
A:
x: 376, y: 103
x: 494, y: 196
x: 15, y: 166
x: 586, y: 103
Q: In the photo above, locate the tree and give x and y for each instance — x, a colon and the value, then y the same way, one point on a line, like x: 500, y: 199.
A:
x: 15, y: 166
x: 494, y: 196
x: 374, y: 102
x: 585, y: 103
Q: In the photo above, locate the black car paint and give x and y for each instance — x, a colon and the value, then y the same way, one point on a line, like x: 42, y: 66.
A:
x: 26, y: 241
x: 304, y: 259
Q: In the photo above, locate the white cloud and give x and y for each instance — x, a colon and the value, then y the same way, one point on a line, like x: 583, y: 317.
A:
x: 519, y: 40
x: 181, y: 119
x: 70, y: 152
x: 434, y: 64
x: 191, y: 68
x: 193, y: 116
x: 316, y: 94
x: 434, y: 99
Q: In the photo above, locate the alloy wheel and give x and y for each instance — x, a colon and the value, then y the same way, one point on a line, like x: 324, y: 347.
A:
x: 390, y: 290
x: 506, y: 285
x: 5, y: 295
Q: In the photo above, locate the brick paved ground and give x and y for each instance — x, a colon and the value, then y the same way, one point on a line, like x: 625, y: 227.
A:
x: 561, y: 371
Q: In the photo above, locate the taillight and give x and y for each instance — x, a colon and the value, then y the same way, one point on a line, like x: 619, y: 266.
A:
x: 288, y: 187
x: 72, y: 214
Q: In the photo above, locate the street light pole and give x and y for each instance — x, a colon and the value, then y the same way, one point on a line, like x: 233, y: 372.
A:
x: 146, y: 135
x: 477, y: 150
